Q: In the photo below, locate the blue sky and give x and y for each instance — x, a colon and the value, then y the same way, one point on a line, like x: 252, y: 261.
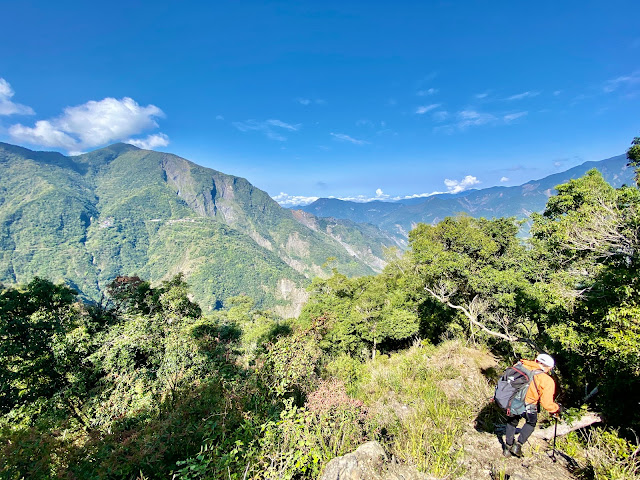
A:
x: 315, y: 99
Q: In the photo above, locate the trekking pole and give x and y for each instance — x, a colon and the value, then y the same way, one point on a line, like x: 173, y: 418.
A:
x: 555, y: 432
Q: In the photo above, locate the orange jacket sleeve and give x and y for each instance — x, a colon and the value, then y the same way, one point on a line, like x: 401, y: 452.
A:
x: 542, y: 390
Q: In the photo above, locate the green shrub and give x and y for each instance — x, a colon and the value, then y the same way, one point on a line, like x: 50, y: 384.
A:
x: 602, y: 454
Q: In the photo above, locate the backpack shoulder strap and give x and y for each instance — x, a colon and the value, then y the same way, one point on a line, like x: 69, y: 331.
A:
x: 519, y: 367
x: 533, y: 378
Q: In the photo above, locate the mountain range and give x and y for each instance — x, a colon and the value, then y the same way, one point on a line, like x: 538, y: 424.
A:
x: 518, y: 201
x: 121, y: 210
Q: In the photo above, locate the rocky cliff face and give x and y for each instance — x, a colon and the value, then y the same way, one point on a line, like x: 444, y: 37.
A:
x: 123, y: 210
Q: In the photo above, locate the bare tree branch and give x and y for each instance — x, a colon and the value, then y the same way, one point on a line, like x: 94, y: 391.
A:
x: 475, y: 308
x: 604, y: 234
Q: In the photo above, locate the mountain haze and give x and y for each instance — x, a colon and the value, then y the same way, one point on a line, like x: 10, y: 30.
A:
x: 122, y: 210
x: 518, y: 201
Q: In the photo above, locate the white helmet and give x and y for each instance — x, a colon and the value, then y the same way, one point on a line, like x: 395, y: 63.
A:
x: 546, y: 360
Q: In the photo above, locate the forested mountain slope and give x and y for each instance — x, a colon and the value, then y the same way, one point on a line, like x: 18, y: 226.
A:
x: 121, y: 210
x: 519, y: 201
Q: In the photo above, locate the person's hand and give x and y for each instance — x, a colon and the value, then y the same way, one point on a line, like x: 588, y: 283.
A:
x: 558, y: 413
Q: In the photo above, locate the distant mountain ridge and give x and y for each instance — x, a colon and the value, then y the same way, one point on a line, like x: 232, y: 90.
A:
x: 518, y: 201
x: 121, y: 210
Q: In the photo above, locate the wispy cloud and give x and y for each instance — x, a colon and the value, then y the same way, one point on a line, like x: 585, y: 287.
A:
x: 428, y: 92
x: 514, y: 116
x: 346, y: 138
x: 623, y: 81
x: 92, y: 124
x: 152, y: 141
x: 219, y: 117
x: 470, y: 118
x: 504, y: 179
x: 427, y: 108
x: 457, y: 186
x: 309, y: 101
x: 523, y: 95
x: 481, y: 96
x: 8, y: 107
x: 271, y: 128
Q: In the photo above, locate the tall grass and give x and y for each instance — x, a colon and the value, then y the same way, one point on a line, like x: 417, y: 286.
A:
x: 428, y: 396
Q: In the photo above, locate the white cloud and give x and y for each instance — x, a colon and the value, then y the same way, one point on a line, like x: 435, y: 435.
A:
x: 417, y: 195
x: 287, y: 200
x: 380, y: 194
x: 426, y: 93
x: 219, y: 117
x: 504, y: 179
x: 303, y: 101
x: 457, y: 186
x: 91, y: 124
x: 522, y: 95
x: 473, y: 118
x: 469, y: 118
x: 44, y: 134
x: 482, y: 95
x: 346, y: 138
x: 151, y: 142
x: 267, y: 127
x: 281, y: 124
x: 513, y: 116
x: 427, y: 108
x: 557, y: 92
x: 453, y: 186
x: 7, y: 107
x: 622, y: 81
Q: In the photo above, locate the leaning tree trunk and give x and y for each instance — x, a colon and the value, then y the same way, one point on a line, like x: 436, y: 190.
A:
x: 564, y: 428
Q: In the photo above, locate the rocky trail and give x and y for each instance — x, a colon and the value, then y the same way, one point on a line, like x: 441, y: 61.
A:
x: 481, y: 440
x: 483, y: 460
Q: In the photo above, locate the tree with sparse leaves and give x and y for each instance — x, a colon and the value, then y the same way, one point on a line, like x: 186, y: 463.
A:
x: 633, y: 155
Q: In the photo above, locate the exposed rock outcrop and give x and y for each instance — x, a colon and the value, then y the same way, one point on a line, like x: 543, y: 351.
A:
x: 369, y: 462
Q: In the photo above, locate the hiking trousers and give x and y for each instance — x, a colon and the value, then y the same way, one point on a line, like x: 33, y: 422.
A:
x: 531, y: 417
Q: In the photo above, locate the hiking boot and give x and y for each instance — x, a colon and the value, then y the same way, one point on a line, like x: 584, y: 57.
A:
x: 506, y: 449
x: 516, y: 449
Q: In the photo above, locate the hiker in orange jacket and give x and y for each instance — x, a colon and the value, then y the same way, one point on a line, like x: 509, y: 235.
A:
x: 541, y: 390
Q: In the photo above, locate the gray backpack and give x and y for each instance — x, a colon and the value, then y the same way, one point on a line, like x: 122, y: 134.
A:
x: 512, y: 387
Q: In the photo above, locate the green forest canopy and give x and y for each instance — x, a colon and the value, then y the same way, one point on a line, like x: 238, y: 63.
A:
x: 139, y: 385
